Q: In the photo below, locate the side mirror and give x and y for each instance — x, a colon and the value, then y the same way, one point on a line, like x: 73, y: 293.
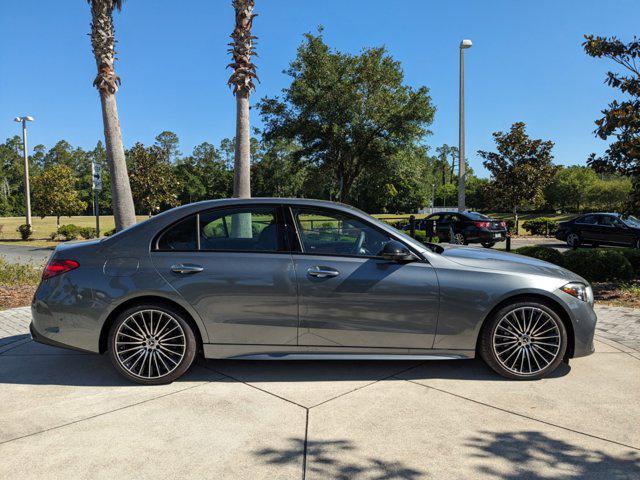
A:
x: 396, y: 252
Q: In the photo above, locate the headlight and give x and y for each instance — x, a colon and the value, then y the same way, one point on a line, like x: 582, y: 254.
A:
x: 580, y: 291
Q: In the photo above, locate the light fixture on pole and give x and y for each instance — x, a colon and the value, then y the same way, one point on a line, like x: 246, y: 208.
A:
x: 464, y: 44
x: 27, y: 193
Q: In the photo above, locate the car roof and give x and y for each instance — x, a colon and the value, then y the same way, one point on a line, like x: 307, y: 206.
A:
x: 601, y: 213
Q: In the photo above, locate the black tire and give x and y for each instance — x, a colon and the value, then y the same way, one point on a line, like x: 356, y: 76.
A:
x: 488, y: 244
x: 182, y: 360
x: 491, y: 357
x: 573, y: 240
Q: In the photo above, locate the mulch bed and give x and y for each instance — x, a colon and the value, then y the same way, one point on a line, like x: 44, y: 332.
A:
x: 610, y: 293
x: 19, y: 296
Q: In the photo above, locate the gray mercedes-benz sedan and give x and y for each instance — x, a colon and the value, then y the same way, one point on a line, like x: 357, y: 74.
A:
x: 268, y: 278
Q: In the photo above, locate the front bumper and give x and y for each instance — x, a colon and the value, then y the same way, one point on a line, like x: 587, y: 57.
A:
x: 583, y: 322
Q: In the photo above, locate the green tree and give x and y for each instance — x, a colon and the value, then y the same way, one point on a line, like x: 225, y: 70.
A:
x: 445, y: 152
x: 55, y: 194
x: 621, y: 120
x: 610, y: 193
x: 153, y: 181
x: 520, y: 169
x: 276, y: 173
x: 349, y: 113
x: 169, y: 145
x: 204, y: 175
x: 569, y: 187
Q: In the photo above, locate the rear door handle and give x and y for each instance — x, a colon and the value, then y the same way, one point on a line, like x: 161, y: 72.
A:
x: 322, y: 272
x: 184, y: 269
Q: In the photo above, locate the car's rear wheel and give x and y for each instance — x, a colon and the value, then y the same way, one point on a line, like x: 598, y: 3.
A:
x: 458, y: 239
x: 488, y: 244
x: 573, y: 240
x: 151, y: 345
x: 524, y: 341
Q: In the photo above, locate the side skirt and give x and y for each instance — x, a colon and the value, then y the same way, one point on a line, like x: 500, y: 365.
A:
x: 287, y: 352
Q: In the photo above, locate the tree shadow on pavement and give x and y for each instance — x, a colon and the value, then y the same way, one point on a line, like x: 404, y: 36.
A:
x: 322, y: 461
x: 533, y: 455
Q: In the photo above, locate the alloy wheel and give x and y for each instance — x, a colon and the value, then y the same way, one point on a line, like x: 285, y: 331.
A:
x: 458, y: 239
x: 526, y: 341
x: 573, y: 240
x: 150, y: 344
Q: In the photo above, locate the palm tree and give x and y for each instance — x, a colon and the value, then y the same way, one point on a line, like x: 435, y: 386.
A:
x: 241, y: 82
x: 103, y: 41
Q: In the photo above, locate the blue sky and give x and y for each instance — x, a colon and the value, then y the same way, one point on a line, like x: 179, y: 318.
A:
x: 526, y: 64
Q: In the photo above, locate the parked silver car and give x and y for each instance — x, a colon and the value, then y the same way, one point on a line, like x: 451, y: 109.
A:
x: 303, y: 279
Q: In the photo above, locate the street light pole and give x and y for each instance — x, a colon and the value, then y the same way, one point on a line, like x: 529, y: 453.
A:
x: 27, y: 192
x: 464, y: 44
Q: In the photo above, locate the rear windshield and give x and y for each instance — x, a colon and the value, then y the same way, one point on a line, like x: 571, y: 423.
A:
x: 477, y: 216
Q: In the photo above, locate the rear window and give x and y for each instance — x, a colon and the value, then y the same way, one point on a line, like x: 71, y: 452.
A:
x: 477, y: 216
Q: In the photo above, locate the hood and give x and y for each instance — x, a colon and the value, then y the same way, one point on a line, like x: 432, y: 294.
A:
x: 495, y: 260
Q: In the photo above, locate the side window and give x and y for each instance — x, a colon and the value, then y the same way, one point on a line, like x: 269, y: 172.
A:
x: 587, y: 220
x: 251, y: 229
x: 608, y: 221
x: 181, y: 237
x: 335, y: 233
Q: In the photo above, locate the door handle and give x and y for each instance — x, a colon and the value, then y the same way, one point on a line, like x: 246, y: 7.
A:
x: 322, y: 272
x: 184, y: 269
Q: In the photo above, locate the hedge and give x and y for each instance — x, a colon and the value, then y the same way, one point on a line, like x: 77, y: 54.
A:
x: 542, y: 253
x: 541, y: 226
x: 595, y: 265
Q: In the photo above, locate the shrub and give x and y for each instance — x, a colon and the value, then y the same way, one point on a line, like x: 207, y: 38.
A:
x: 87, y: 232
x: 541, y: 253
x: 15, y: 274
x: 541, y: 226
x: 108, y: 233
x: 633, y: 255
x: 69, y: 232
x: 511, y: 225
x: 598, y: 264
x: 25, y: 231
x: 422, y: 237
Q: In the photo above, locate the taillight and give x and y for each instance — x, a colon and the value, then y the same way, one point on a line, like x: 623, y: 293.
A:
x: 57, y: 267
x: 482, y: 224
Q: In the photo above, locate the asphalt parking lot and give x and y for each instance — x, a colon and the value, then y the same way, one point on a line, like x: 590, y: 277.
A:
x: 67, y: 415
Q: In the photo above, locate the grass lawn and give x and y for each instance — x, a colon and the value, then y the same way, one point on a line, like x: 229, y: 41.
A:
x: 43, y: 227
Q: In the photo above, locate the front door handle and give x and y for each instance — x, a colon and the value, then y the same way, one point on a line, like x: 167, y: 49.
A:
x: 184, y: 269
x: 322, y: 272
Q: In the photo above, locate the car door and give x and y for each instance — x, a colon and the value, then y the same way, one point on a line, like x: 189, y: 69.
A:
x: 233, y: 266
x: 348, y: 295
x: 588, y: 229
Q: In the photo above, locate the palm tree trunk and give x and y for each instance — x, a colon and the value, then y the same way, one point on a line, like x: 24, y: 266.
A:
x: 242, y: 177
x: 122, y: 199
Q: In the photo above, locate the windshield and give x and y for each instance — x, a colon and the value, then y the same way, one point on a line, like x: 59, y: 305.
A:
x: 631, y: 221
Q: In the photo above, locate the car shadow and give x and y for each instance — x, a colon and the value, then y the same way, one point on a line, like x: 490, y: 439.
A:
x: 34, y: 364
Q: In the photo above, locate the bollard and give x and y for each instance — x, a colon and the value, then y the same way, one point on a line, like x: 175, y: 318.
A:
x: 508, y: 246
x: 412, y: 226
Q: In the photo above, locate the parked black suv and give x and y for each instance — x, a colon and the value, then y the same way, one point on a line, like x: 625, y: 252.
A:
x: 463, y: 228
x: 600, y: 229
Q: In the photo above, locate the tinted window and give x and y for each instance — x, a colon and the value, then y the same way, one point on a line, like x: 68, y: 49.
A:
x: 253, y: 229
x: 608, y: 221
x: 476, y: 216
x: 180, y: 237
x: 335, y: 233
x: 588, y: 220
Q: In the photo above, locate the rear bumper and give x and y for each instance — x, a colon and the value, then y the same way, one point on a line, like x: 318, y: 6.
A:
x: 487, y: 236
x: 40, y: 338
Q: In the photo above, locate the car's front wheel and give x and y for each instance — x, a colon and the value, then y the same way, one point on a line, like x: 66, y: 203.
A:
x: 524, y: 341
x: 573, y: 240
x: 151, y: 345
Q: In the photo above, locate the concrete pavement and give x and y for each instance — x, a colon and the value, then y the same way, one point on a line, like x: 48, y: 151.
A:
x: 68, y: 415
